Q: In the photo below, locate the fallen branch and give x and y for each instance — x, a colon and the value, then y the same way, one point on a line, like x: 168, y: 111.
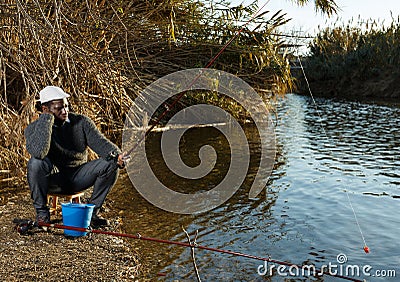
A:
x: 193, y: 245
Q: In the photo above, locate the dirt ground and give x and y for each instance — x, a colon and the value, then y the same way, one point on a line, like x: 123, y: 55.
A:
x: 51, y: 256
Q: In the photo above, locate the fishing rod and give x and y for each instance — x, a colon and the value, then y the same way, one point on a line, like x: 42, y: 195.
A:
x: 23, y: 227
x: 209, y: 64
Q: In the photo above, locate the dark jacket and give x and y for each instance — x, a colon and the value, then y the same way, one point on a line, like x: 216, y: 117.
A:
x: 66, y: 145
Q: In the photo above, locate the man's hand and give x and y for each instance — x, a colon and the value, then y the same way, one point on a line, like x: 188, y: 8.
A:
x: 121, y: 160
x: 46, y: 110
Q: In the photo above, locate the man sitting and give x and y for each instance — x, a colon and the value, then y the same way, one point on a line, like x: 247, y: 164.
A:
x: 57, y: 142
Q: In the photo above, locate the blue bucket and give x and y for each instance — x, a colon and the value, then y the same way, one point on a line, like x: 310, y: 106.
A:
x: 76, y: 215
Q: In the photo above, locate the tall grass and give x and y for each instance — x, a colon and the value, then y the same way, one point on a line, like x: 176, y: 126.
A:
x: 354, y: 53
x: 104, y: 52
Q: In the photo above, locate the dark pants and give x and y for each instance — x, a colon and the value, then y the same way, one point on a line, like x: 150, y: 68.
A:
x: 44, y: 177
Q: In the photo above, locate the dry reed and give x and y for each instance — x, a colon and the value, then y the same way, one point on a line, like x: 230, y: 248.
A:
x: 103, y: 52
x: 353, y: 54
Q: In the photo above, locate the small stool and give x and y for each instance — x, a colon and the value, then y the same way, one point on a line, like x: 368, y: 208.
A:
x: 55, y: 207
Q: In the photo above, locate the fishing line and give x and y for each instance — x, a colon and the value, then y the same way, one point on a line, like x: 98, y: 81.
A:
x: 366, y: 248
x: 209, y: 64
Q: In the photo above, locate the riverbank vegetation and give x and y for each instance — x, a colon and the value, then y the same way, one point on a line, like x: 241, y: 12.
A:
x: 357, y: 61
x: 104, y: 52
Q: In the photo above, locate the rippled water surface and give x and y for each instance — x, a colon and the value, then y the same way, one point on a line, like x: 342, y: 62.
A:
x: 326, y: 156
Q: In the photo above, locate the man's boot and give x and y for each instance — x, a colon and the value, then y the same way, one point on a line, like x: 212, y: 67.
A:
x: 42, y: 216
x: 97, y: 220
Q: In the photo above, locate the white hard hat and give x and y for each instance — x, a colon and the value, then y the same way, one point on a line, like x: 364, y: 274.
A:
x: 50, y: 93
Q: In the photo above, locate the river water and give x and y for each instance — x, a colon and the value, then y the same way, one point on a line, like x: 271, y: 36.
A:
x: 333, y: 157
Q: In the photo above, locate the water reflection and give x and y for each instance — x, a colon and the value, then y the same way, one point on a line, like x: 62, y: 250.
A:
x: 303, y: 216
x: 361, y: 139
x: 241, y: 213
